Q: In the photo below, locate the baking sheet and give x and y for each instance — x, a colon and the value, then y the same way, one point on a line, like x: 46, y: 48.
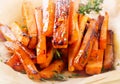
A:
x: 10, y: 11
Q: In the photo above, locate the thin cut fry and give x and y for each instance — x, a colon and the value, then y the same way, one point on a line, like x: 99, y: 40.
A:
x: 41, y: 45
x: 28, y: 14
x: 60, y: 31
x: 48, y: 17
x: 103, y: 33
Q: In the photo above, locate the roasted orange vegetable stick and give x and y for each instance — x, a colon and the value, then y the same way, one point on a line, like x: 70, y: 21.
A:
x: 73, y: 22
x: 49, y: 54
x: 48, y: 59
x: 11, y: 46
x: 82, y: 57
x: 60, y: 31
x: 19, y: 34
x: 41, y: 46
x: 103, y: 33
x: 74, y: 48
x: 95, y: 63
x: 15, y: 63
x: 7, y: 33
x: 28, y: 14
x: 50, y: 71
x: 29, y: 66
x: 48, y: 17
x: 109, y: 54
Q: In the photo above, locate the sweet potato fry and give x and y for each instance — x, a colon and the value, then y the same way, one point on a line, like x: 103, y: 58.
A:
x: 50, y: 71
x: 11, y: 46
x: 28, y: 14
x: 28, y: 65
x: 48, y: 17
x: 103, y: 33
x: 73, y: 22
x: 74, y: 48
x: 41, y: 45
x: 95, y: 62
x: 82, y: 57
x: 60, y: 31
x: 7, y: 33
x: 109, y: 54
x: 15, y: 63
x: 19, y: 34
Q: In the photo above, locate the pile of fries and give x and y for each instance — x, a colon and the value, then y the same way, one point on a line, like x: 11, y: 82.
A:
x: 56, y: 28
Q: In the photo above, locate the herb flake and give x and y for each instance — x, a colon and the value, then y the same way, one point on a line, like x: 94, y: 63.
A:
x: 92, y: 5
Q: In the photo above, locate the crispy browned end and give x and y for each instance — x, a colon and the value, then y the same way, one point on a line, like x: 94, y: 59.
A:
x: 28, y: 14
x: 109, y: 54
x: 95, y: 63
x: 48, y: 17
x: 73, y: 23
x: 82, y: 57
x: 19, y: 34
x: 60, y: 31
x: 100, y: 22
x: 50, y: 71
x: 7, y: 33
x: 15, y: 63
x: 41, y: 45
x: 28, y: 65
x: 103, y: 33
